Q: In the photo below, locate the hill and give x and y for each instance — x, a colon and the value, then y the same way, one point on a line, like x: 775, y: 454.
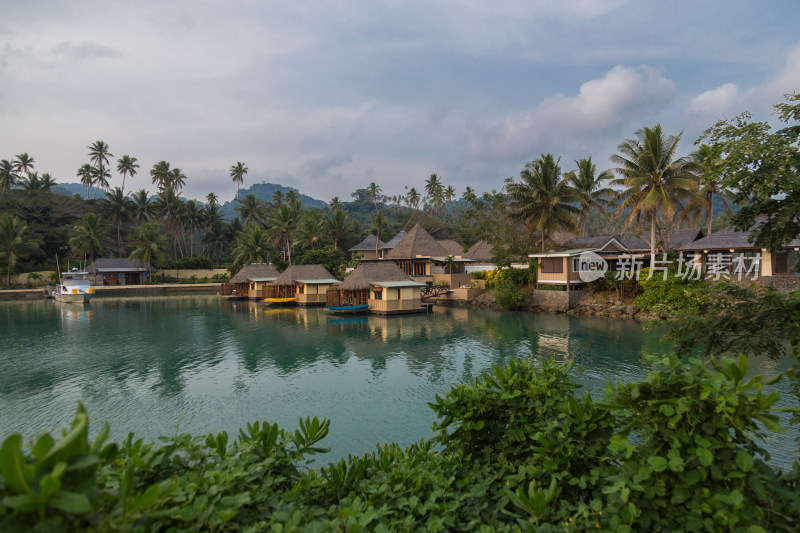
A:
x: 264, y: 191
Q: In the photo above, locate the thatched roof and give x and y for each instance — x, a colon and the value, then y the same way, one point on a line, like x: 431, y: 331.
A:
x: 452, y: 247
x: 481, y: 251
x: 367, y: 244
x: 589, y: 243
x: 114, y: 264
x: 255, y: 270
x: 304, y: 272
x: 417, y: 242
x: 396, y: 239
x: 722, y: 240
x: 684, y: 237
x: 366, y: 273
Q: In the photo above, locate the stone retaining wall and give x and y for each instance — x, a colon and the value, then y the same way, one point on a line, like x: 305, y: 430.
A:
x: 557, y: 300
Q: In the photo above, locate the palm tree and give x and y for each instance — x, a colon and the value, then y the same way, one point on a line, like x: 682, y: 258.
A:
x: 251, y: 210
x: 31, y: 182
x: 656, y: 183
x: 127, y: 166
x: 142, y: 208
x: 337, y: 226
x: 211, y: 198
x: 46, y: 182
x: 215, y: 241
x: 469, y: 197
x: 292, y: 198
x: 193, y: 216
x: 310, y: 230
x: 251, y: 245
x: 277, y: 198
x: 16, y: 243
x: 334, y: 204
x: 177, y: 180
x: 237, y: 174
x: 374, y: 194
x: 147, y: 244
x: 86, y: 174
x: 449, y: 196
x: 87, y: 236
x: 378, y: 227
x: 281, y: 224
x: 99, y: 154
x: 413, y: 198
x: 709, y: 185
x: 119, y: 208
x: 23, y: 163
x: 7, y: 176
x: 587, y: 183
x: 543, y: 199
x: 433, y: 186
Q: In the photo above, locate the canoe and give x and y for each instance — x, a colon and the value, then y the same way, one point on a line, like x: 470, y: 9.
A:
x: 279, y: 300
x: 349, y: 308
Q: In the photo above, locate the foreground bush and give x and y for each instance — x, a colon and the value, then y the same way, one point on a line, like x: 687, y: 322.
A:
x: 515, y: 449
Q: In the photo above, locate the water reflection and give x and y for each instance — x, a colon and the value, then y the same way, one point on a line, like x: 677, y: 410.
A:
x: 149, y: 364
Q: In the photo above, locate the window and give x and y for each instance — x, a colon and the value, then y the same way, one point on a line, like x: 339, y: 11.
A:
x: 552, y: 265
x: 376, y: 294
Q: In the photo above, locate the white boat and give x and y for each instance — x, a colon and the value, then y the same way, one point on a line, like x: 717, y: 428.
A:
x: 74, y: 287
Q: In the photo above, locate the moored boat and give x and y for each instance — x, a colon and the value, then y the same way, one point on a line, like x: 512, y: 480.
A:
x: 349, y: 308
x: 74, y: 287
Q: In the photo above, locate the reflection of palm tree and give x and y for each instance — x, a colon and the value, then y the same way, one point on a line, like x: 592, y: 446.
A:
x: 542, y: 198
x: 237, y: 175
x: 126, y: 166
x: 251, y: 246
x: 16, y: 243
x: 656, y: 184
x: 587, y: 183
x: 87, y: 236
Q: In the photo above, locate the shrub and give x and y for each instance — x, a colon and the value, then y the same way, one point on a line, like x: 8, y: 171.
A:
x: 660, y: 295
x: 186, y: 263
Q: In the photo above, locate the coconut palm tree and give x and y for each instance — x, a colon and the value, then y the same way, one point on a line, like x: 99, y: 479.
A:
x: 88, y: 236
x: 23, y: 163
x: 251, y: 210
x: 119, y: 208
x: 337, y: 226
x: 543, y: 199
x: 16, y: 243
x: 99, y: 154
x: 211, y: 198
x: 86, y: 174
x: 449, y: 196
x: 252, y: 245
x: 142, y: 208
x: 710, y: 185
x: 433, y: 188
x: 588, y: 184
x: 413, y: 198
x: 281, y: 225
x: 31, y: 182
x: 46, y: 182
x: 656, y: 184
x: 334, y: 204
x: 193, y: 217
x: 310, y: 230
x: 237, y: 174
x: 374, y: 195
x: 8, y: 176
x: 215, y: 240
x: 148, y: 244
x: 127, y: 166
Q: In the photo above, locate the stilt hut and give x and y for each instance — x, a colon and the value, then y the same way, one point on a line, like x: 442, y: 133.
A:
x: 382, y: 286
x: 249, y: 281
x: 303, y: 284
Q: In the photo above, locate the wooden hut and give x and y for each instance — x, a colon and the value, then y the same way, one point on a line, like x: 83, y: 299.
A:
x: 383, y: 286
x: 249, y: 281
x: 307, y: 284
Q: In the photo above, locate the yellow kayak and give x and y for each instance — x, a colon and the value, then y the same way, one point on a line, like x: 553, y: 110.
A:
x: 279, y: 300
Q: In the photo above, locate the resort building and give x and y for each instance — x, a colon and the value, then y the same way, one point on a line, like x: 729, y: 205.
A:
x: 249, y: 281
x: 481, y: 255
x: 308, y: 284
x: 389, y: 246
x: 368, y: 249
x: 111, y: 272
x: 425, y: 260
x: 382, y: 286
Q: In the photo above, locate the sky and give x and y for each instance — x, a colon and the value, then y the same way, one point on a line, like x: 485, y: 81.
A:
x: 328, y: 96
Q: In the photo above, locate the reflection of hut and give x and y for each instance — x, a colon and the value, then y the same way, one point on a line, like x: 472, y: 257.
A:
x: 382, y: 286
x: 307, y: 283
x: 249, y: 281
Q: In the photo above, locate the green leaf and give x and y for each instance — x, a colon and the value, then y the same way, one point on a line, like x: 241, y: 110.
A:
x: 659, y: 464
x: 705, y: 456
x: 13, y: 466
x: 744, y: 461
x: 23, y: 503
x: 71, y: 502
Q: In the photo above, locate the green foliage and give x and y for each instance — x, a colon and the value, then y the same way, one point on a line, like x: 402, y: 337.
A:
x: 609, y: 282
x: 515, y: 449
x: 185, y: 263
x: 331, y: 257
x: 667, y: 293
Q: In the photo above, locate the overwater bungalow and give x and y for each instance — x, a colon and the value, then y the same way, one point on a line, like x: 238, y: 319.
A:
x: 302, y: 284
x: 382, y: 286
x: 426, y: 260
x: 249, y: 282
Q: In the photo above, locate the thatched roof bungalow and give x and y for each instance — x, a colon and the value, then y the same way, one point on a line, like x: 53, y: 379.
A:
x: 381, y: 285
x: 307, y: 283
x: 425, y: 259
x: 249, y: 281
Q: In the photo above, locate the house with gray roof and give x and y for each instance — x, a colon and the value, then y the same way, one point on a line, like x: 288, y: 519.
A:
x: 113, y: 271
x: 368, y: 248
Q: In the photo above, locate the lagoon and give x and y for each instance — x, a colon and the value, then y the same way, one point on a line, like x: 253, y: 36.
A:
x: 198, y: 364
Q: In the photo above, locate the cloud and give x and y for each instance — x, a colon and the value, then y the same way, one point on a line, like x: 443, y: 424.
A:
x: 84, y: 50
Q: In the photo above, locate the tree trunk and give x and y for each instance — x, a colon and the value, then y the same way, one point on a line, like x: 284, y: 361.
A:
x: 710, y: 214
x: 653, y: 235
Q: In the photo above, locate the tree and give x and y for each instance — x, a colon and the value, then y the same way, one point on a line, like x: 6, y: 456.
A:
x: 413, y: 198
x: 433, y: 190
x: 374, y: 192
x: 88, y: 236
x: 251, y: 210
x: 127, y: 166
x: 764, y: 167
x: 281, y: 225
x: 337, y: 226
x: 310, y: 230
x: 252, y: 245
x: 16, y: 243
x: 86, y: 174
x: 277, y: 198
x: 656, y: 183
x: 23, y: 163
x: 148, y: 244
x: 543, y: 199
x: 8, y: 176
x: 211, y: 198
x: 46, y: 182
x: 710, y: 186
x: 330, y: 257
x: 237, y: 174
x: 193, y: 217
x: 588, y: 185
x: 119, y: 208
x: 142, y: 208
x: 334, y: 204
x: 99, y: 154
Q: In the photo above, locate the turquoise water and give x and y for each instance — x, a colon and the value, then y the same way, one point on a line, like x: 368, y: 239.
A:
x: 198, y: 364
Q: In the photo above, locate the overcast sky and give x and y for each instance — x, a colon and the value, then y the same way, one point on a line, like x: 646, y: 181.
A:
x: 328, y: 96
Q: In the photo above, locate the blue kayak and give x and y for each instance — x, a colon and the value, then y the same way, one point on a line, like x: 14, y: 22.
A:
x: 350, y: 308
